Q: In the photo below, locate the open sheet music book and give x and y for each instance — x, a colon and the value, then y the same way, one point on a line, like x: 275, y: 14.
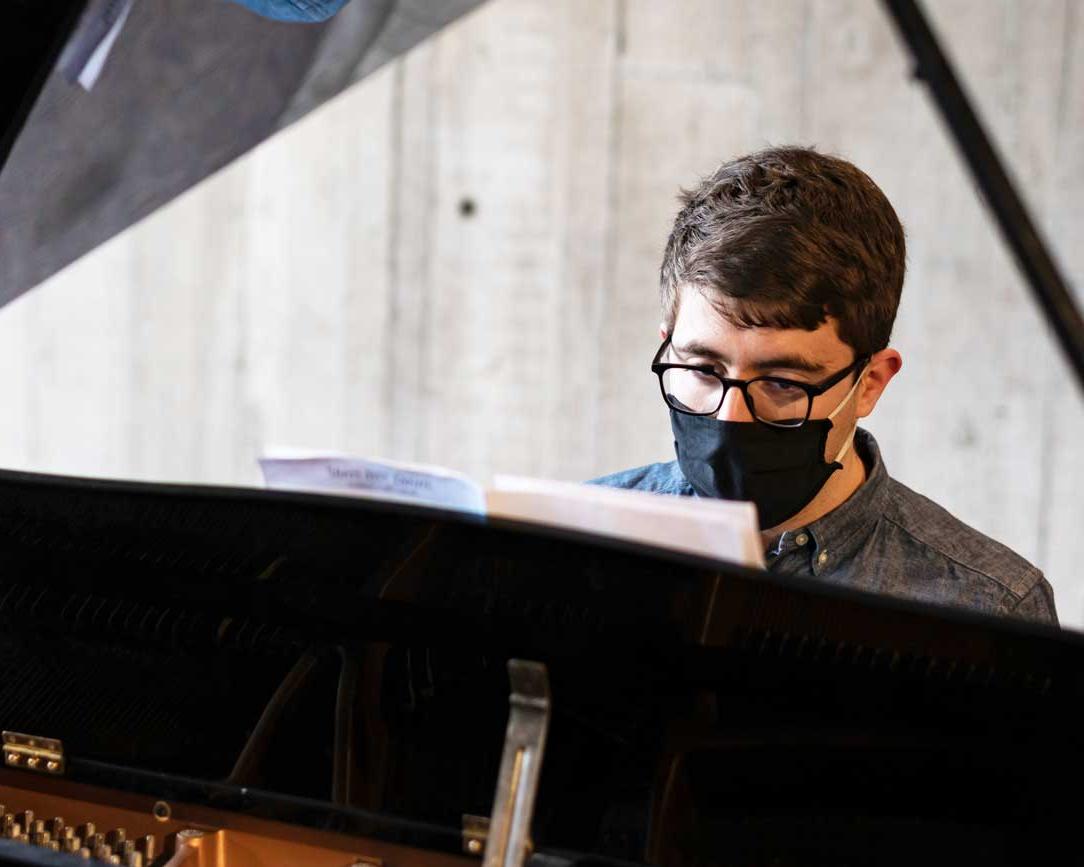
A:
x: 721, y: 529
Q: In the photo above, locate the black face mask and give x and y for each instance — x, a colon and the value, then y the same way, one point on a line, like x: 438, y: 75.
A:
x: 779, y: 469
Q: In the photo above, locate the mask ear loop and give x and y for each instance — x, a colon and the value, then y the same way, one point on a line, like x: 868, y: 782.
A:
x: 850, y: 440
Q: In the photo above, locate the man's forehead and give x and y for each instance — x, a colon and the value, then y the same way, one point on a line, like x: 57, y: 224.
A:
x: 700, y: 323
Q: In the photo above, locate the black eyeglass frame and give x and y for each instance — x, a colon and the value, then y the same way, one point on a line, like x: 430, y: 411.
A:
x: 812, y: 391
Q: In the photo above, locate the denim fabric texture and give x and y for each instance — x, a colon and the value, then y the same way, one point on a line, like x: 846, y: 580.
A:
x: 888, y: 539
x: 294, y: 10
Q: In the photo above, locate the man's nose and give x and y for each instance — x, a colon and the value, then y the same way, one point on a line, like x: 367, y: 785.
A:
x: 734, y: 407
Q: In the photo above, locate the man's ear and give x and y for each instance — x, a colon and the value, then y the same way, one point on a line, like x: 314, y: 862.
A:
x: 882, y: 367
x: 662, y: 331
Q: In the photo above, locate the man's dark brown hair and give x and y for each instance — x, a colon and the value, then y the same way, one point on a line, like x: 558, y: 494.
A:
x: 785, y: 238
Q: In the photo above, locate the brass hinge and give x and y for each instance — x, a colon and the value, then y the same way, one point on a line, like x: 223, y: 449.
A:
x: 44, y: 755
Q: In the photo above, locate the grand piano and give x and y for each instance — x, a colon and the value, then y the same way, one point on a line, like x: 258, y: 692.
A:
x: 334, y: 673
x: 224, y: 676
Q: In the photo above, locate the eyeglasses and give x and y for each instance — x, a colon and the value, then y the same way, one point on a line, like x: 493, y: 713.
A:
x: 696, y: 389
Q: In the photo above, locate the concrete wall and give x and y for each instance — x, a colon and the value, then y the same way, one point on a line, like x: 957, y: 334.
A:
x: 455, y: 261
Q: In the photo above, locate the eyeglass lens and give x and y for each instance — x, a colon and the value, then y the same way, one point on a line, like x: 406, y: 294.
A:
x: 776, y: 403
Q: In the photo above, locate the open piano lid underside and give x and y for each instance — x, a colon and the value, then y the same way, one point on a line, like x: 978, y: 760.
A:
x: 189, y: 86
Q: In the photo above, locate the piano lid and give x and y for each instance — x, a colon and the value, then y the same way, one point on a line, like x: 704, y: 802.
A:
x: 187, y: 88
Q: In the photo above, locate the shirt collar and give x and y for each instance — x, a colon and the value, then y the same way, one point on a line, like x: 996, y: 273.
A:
x: 836, y: 536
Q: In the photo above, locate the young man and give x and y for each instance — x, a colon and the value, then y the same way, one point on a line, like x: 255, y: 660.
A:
x: 780, y: 283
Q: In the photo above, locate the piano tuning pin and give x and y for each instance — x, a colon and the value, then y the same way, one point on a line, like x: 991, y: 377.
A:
x: 25, y: 818
x: 84, y: 852
x: 55, y: 826
x: 85, y: 830
x: 115, y: 837
x: 134, y: 860
x: 36, y: 827
x: 146, y: 847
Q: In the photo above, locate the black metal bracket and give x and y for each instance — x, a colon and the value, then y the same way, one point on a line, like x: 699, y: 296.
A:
x: 1032, y: 255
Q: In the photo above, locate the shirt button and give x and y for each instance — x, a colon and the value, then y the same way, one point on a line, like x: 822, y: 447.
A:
x: 822, y: 558
x: 801, y: 539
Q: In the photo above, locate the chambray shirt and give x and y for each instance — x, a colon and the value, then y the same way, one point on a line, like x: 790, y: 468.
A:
x: 294, y: 10
x: 888, y: 539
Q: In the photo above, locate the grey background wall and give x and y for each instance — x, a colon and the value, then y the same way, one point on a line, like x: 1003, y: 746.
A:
x: 455, y: 261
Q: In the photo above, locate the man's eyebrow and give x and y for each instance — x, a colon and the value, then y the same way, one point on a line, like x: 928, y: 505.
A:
x: 777, y: 362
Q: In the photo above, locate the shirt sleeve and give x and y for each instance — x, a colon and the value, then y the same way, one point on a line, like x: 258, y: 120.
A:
x: 1038, y: 604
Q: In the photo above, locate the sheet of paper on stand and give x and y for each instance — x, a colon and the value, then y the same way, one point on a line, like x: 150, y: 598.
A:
x: 394, y: 481
x: 722, y: 529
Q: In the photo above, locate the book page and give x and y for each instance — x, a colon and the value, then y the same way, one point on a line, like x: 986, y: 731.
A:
x: 721, y: 529
x: 392, y: 481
